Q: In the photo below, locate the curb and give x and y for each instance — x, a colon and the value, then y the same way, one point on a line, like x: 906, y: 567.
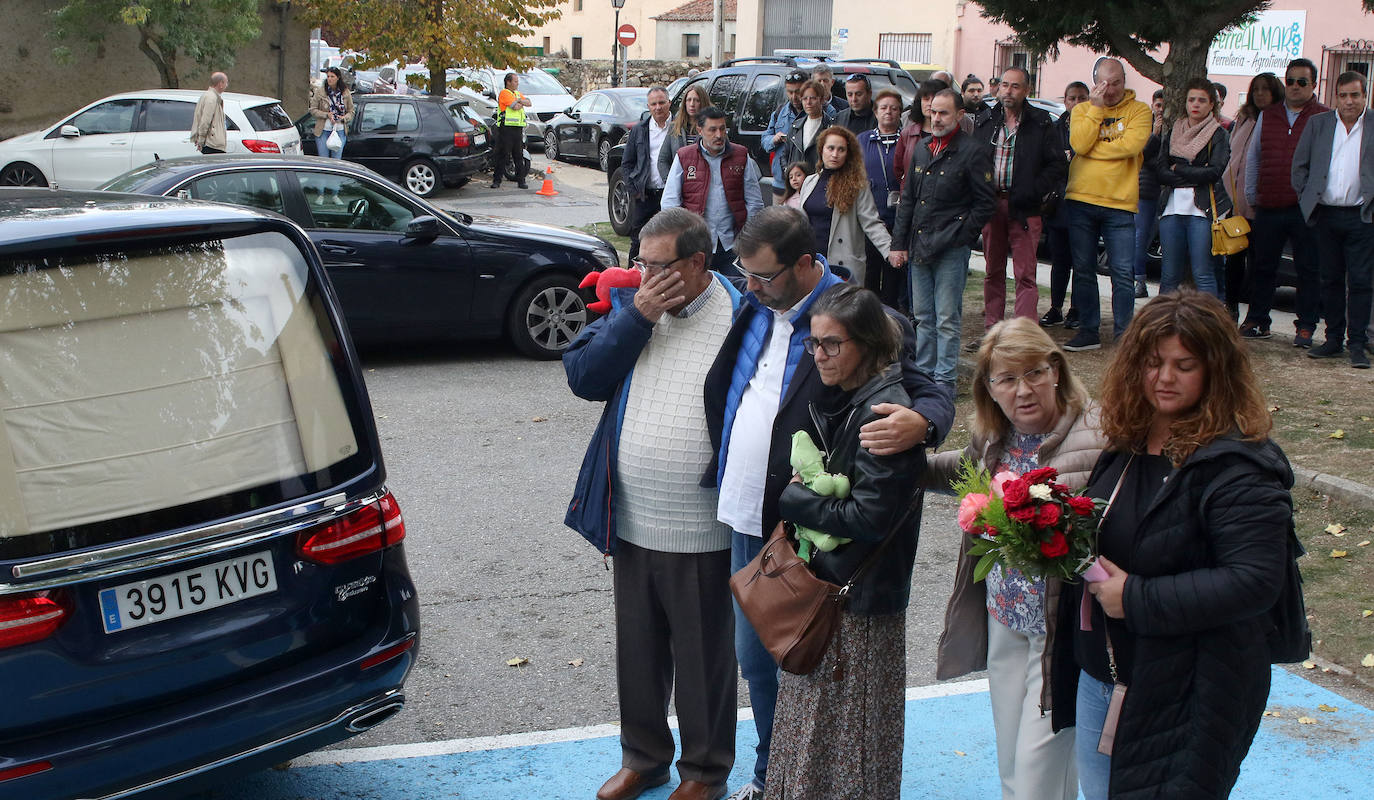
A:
x: 1347, y: 491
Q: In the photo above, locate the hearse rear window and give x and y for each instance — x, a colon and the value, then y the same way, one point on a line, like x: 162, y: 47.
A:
x: 152, y: 390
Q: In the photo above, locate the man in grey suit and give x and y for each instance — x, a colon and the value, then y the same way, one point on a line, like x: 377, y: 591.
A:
x: 1333, y: 174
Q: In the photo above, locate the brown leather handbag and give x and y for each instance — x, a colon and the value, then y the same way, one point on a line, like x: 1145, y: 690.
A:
x: 795, y: 613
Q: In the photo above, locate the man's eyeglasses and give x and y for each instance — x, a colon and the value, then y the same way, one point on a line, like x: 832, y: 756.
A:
x: 830, y: 345
x: 644, y: 267
x: 739, y: 265
x: 1298, y: 81
x: 1039, y: 376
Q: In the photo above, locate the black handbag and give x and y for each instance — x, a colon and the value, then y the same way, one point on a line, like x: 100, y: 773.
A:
x: 1290, y: 639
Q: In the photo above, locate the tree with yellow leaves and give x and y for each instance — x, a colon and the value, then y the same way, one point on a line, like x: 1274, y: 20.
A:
x: 444, y: 33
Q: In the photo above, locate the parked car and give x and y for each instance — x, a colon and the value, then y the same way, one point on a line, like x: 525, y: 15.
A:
x: 595, y: 124
x: 402, y: 268
x: 1052, y: 107
x: 201, y: 567
x: 749, y: 90
x: 422, y: 142
x: 123, y: 131
x: 549, y: 97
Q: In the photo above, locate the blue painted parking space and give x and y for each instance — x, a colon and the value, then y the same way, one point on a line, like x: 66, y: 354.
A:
x: 1301, y: 753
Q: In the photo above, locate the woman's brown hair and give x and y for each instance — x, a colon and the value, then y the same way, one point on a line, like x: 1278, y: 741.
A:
x: 1021, y: 343
x: 861, y: 313
x: 1231, y: 399
x: 850, y: 179
x: 683, y: 123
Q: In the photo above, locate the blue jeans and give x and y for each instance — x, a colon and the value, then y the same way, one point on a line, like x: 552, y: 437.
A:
x: 322, y: 144
x: 1187, y: 239
x: 1116, y: 228
x: 756, y: 664
x: 1094, y: 769
x: 937, y: 302
x: 1144, y: 226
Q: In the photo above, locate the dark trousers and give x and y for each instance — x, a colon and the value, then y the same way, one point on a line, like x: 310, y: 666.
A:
x: 723, y: 261
x: 641, y: 211
x: 1061, y: 259
x: 207, y: 150
x: 509, y: 145
x: 889, y: 283
x: 675, y: 633
x: 1345, y: 254
x: 1237, y: 286
x: 1273, y: 228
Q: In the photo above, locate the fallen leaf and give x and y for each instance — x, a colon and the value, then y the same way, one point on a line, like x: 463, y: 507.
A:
x: 576, y: 662
x: 1329, y: 413
x: 1339, y: 434
x: 1309, y: 664
x: 1339, y: 554
x: 960, y: 753
x: 1368, y: 660
x: 1364, y: 419
x: 1306, y: 721
x: 517, y: 662
x: 540, y: 419
x: 1365, y: 543
x: 1326, y: 708
x: 1275, y: 409
x: 1336, y: 529
x: 1272, y: 714
x: 1366, y: 614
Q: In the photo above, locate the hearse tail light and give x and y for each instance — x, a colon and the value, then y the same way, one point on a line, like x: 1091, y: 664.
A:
x: 461, y: 139
x: 373, y: 527
x: 261, y: 146
x: 29, y: 618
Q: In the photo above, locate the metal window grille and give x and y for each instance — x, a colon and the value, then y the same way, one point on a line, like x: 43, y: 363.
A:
x: 1011, y: 53
x: 1351, y: 55
x: 909, y: 47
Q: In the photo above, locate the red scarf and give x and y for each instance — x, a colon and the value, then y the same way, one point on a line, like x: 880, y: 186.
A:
x: 937, y: 144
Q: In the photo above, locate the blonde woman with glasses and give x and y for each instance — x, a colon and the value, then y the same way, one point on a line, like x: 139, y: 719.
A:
x: 1029, y: 411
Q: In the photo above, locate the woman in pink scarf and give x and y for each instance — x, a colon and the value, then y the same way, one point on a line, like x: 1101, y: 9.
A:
x: 1191, y: 161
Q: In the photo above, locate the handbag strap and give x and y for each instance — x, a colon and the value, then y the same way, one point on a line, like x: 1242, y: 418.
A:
x: 1121, y: 479
x: 911, y: 508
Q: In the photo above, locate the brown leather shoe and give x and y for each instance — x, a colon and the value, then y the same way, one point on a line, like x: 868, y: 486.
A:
x: 628, y: 784
x: 696, y: 790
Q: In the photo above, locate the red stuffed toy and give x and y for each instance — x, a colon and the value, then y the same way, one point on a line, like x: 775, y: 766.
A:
x: 605, y: 281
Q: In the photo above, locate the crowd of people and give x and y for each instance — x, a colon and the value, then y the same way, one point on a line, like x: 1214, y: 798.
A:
x: 751, y: 324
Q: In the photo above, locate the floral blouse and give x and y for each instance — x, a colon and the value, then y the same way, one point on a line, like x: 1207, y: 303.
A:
x: 1014, y: 598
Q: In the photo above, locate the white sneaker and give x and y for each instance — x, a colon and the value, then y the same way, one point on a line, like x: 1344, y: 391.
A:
x: 749, y: 791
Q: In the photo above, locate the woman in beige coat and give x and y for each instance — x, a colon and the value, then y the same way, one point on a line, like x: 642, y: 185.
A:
x: 1030, y: 411
x: 331, y: 104
x: 840, y: 205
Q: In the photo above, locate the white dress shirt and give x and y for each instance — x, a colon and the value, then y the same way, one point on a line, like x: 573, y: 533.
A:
x: 657, y: 135
x: 1343, y: 179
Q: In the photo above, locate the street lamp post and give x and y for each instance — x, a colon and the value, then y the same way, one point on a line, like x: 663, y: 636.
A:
x: 615, y: 43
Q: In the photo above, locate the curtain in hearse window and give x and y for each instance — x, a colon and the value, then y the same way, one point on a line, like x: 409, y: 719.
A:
x: 161, y: 389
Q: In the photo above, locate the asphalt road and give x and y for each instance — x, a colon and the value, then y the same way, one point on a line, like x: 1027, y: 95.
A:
x: 482, y: 449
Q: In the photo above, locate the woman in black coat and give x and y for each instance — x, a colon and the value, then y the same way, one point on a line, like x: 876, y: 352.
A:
x: 1196, y: 546
x: 1191, y: 160
x: 838, y: 732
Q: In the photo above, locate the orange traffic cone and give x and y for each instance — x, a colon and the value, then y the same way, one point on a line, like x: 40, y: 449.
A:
x: 547, y: 189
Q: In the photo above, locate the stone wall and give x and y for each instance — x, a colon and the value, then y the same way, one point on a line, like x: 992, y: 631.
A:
x: 584, y: 75
x: 41, y: 92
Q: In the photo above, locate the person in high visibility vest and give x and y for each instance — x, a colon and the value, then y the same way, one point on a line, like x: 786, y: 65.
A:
x: 510, y: 132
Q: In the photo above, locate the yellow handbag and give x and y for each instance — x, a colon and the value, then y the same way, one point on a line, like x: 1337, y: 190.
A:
x: 1229, y: 234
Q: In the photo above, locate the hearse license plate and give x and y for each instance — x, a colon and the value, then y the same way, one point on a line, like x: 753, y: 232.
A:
x: 480, y: 138
x: 211, y: 586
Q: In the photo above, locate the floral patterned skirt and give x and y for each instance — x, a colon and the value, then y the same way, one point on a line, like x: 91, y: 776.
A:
x: 836, y: 740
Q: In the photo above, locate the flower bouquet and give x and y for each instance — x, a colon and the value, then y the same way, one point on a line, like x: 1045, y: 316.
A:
x: 1026, y: 522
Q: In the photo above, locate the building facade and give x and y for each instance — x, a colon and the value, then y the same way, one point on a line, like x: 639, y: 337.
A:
x: 686, y: 32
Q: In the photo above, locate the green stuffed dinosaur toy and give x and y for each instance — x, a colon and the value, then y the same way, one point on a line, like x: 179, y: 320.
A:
x: 809, y: 463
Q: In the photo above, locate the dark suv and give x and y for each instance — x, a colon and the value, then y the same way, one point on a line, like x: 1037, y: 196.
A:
x: 420, y: 141
x: 749, y: 90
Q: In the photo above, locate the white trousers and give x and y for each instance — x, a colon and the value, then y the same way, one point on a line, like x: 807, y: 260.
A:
x: 1034, y: 762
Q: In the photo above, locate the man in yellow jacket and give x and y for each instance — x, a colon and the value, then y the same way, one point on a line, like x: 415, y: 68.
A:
x: 1108, y: 135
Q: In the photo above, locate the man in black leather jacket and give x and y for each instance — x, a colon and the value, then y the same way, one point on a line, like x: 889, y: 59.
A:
x: 640, y: 166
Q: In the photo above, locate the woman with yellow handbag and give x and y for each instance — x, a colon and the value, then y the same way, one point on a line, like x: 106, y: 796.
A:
x: 1191, y: 161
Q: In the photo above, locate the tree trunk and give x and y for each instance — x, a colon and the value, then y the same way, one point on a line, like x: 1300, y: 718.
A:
x: 1187, y: 60
x: 438, y: 79
x: 163, y: 59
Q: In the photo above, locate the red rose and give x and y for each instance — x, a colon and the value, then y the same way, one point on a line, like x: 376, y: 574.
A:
x: 1041, y: 475
x: 1015, y: 493
x: 1057, y: 545
x: 1082, y: 506
x: 1024, y: 514
x: 1048, y: 515
x: 991, y: 531
x: 1060, y: 488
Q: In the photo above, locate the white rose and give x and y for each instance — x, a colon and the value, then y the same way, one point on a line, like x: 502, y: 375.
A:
x: 1041, y: 492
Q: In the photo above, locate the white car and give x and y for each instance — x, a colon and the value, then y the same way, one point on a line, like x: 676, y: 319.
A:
x: 112, y: 136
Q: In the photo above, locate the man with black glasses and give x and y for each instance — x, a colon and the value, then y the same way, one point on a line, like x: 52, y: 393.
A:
x: 1278, y: 219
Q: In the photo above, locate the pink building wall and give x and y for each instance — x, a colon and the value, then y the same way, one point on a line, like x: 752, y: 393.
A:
x: 1329, y: 23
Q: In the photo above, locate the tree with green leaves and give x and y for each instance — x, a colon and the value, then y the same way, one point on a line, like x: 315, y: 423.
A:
x: 1131, y: 30
x: 170, y: 32
x: 445, y: 33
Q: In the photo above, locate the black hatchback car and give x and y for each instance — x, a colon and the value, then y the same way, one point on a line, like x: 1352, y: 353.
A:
x: 749, y: 90
x: 595, y: 124
x: 406, y: 270
x: 420, y: 141
x: 201, y: 567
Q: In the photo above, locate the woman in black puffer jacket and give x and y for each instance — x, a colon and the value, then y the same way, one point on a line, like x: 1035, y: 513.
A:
x: 1196, y: 546
x: 838, y: 732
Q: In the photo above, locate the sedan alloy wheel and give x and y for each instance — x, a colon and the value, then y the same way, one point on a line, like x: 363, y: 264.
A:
x: 551, y: 144
x: 547, y: 316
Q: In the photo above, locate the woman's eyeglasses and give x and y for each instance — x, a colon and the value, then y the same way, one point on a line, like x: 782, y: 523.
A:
x: 829, y: 345
x: 1036, y: 377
